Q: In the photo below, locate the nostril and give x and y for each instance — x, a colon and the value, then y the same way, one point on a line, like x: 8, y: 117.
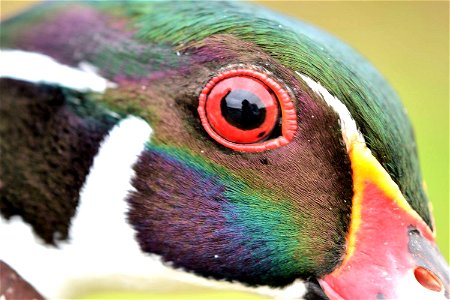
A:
x: 428, y: 279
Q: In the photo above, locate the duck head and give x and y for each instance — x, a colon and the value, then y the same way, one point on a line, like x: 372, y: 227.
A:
x: 277, y: 153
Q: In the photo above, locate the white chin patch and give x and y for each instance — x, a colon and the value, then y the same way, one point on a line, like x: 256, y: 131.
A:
x: 39, y: 68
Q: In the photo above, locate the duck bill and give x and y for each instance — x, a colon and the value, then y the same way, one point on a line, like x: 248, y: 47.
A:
x: 391, y: 252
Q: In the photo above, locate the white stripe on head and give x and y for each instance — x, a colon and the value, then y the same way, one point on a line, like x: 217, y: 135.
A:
x: 39, y: 68
x: 102, y: 208
x: 350, y: 131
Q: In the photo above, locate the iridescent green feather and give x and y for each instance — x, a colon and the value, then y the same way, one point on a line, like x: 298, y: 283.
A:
x: 303, y: 48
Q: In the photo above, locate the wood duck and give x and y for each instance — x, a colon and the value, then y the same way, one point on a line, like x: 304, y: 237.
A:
x: 216, y: 142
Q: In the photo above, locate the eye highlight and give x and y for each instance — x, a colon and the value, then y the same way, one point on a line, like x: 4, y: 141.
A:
x: 247, y: 111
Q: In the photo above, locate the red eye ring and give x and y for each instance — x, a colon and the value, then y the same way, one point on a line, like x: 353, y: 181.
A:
x: 267, y: 90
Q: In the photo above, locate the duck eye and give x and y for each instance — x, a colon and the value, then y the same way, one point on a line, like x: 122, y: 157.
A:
x: 246, y: 111
x: 242, y: 110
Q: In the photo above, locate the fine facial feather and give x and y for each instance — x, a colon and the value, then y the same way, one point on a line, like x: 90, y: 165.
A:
x: 251, y: 186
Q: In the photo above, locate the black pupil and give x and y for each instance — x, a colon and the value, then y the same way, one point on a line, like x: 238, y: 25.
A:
x: 243, y: 109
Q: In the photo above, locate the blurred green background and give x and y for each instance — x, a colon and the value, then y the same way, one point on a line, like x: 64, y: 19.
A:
x: 408, y: 42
